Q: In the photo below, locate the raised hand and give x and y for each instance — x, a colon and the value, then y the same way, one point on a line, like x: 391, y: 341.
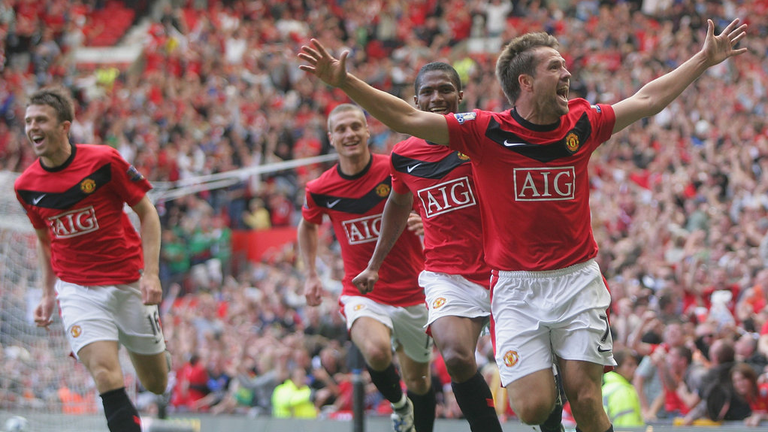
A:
x: 323, y: 65
x: 720, y: 47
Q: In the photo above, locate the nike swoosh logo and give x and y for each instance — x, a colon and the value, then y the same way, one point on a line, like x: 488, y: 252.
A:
x: 331, y: 204
x: 412, y: 167
x: 603, y: 350
x: 37, y: 200
x: 514, y: 144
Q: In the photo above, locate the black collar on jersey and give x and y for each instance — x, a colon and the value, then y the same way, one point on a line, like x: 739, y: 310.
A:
x: 534, y: 127
x: 66, y: 163
x: 355, y: 176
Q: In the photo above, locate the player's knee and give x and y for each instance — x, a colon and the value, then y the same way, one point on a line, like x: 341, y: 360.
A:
x: 531, y: 412
x: 156, y: 383
x: 531, y: 408
x: 460, y: 363
x: 378, y: 357
x: 106, y: 379
x: 586, y: 402
x: 417, y: 384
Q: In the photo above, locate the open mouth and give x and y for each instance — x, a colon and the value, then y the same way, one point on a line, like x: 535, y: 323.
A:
x: 562, y: 93
x: 439, y: 110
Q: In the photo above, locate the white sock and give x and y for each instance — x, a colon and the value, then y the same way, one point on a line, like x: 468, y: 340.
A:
x: 401, y: 403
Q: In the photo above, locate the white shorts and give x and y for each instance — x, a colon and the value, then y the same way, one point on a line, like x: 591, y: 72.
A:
x: 453, y: 295
x: 406, y: 323
x: 109, y: 313
x: 538, y: 313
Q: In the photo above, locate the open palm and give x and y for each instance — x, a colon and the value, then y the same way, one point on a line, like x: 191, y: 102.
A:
x: 323, y: 65
x: 720, y: 47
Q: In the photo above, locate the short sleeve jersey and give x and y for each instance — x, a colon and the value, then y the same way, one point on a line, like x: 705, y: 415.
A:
x: 534, y: 183
x: 80, y: 203
x: 442, y: 183
x: 355, y: 204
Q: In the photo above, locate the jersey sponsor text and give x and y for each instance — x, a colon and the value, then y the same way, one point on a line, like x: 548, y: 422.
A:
x: 545, y: 184
x: 446, y: 197
x: 74, y: 223
x: 362, y: 230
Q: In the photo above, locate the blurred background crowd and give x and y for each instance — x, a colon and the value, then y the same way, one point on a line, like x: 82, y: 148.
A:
x: 679, y: 201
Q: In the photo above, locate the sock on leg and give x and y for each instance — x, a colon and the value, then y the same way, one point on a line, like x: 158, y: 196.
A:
x: 388, y: 383
x: 424, y: 410
x: 476, y: 402
x: 120, y: 412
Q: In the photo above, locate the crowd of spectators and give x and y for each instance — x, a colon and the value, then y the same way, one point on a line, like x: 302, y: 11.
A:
x: 679, y: 201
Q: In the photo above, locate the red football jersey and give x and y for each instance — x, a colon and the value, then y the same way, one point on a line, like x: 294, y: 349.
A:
x: 81, y: 204
x: 442, y: 183
x: 534, y: 183
x: 354, y: 204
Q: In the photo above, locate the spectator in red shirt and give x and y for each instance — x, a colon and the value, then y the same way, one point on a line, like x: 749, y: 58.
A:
x: 191, y: 384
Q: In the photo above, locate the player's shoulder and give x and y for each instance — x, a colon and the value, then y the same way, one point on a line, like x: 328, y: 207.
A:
x: 96, y: 150
x: 580, y: 105
x: 324, y: 178
x: 408, y: 145
x: 379, y: 158
x: 29, y: 173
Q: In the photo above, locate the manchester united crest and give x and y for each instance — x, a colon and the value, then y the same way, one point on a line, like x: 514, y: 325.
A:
x: 572, y: 142
x: 357, y: 307
x: 438, y: 302
x: 76, y: 331
x: 382, y: 190
x: 462, y: 156
x: 88, y: 186
x: 511, y: 358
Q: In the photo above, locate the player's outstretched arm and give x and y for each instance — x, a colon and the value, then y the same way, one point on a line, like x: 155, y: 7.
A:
x: 393, y: 221
x: 390, y: 110
x: 151, y: 290
x: 659, y: 93
x: 306, y: 235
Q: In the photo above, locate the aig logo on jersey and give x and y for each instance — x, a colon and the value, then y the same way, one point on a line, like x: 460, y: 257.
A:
x: 74, y: 223
x: 447, y: 197
x: 362, y: 230
x: 544, y: 184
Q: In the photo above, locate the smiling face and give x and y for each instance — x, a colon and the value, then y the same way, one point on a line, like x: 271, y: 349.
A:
x: 348, y: 133
x: 47, y: 135
x: 550, y: 85
x: 438, y: 93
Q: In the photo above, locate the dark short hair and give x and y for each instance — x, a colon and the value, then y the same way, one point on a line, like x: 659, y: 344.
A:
x: 437, y: 66
x: 518, y: 58
x: 57, y: 98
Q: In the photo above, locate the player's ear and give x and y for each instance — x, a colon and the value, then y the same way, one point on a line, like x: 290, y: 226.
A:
x: 65, y: 126
x: 525, y: 81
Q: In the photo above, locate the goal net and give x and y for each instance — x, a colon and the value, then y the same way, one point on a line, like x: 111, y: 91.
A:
x: 40, y: 381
